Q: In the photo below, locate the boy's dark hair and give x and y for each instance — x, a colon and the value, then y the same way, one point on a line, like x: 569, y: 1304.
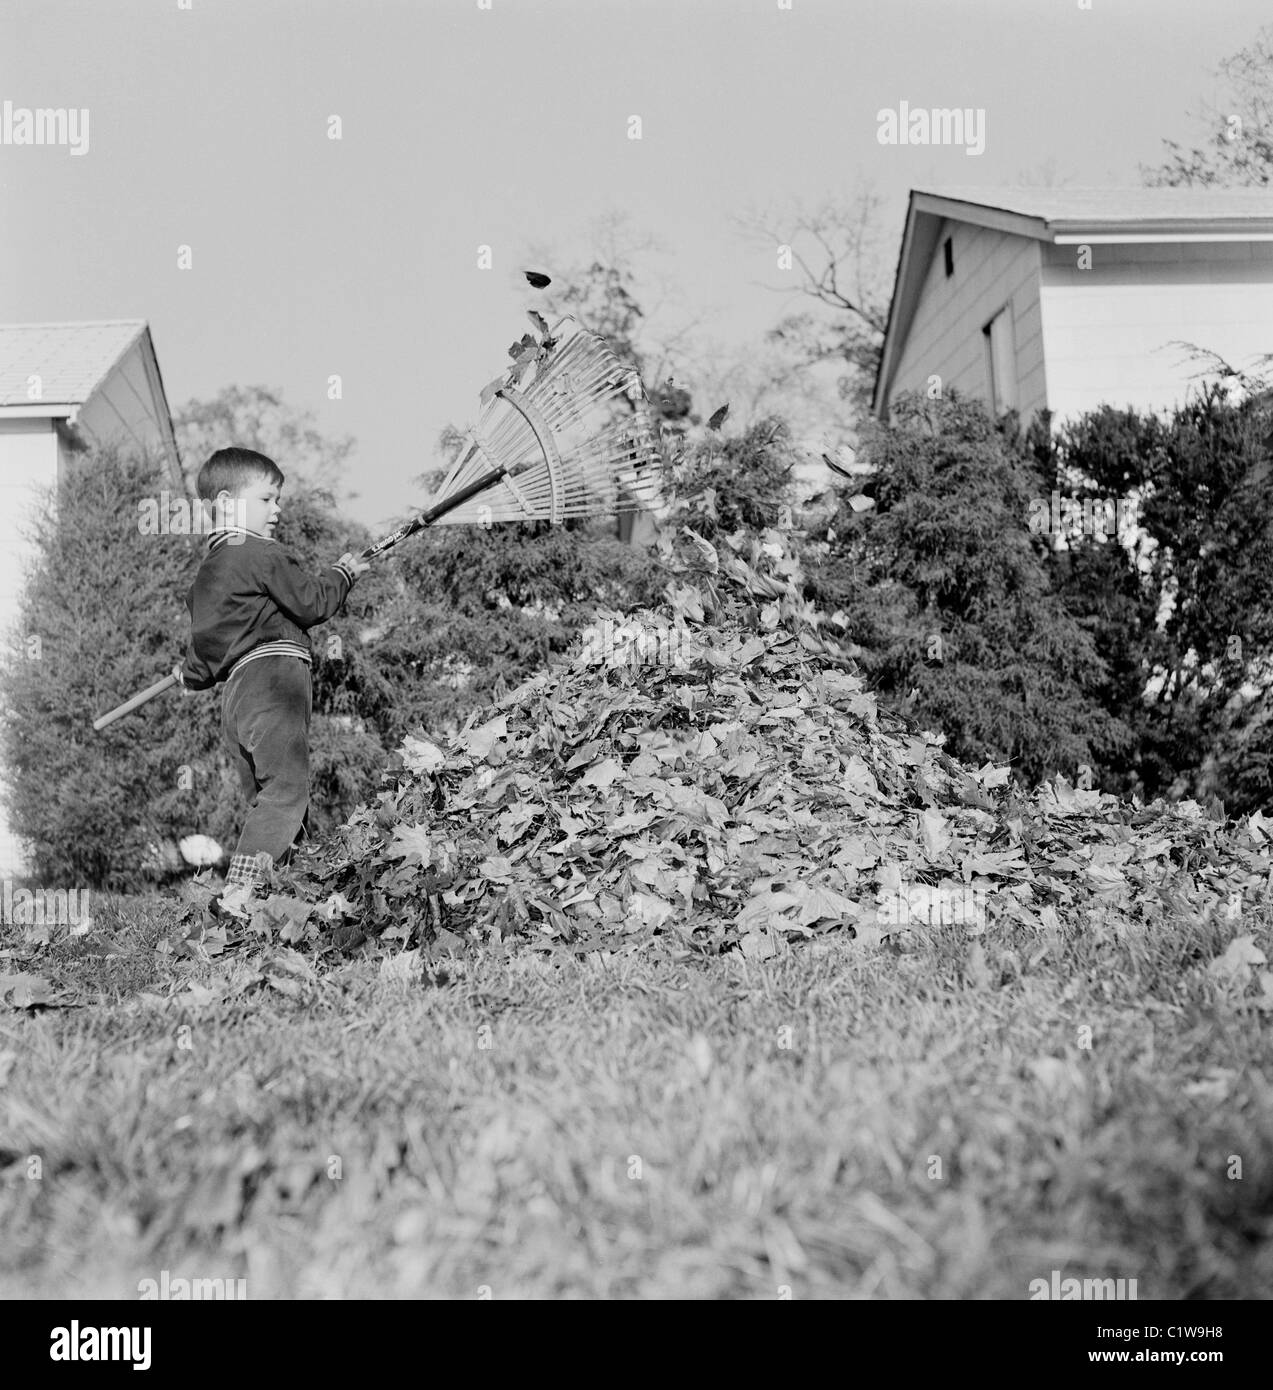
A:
x: 234, y: 469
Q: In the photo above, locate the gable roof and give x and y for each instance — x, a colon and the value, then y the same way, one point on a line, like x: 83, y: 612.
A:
x: 72, y: 359
x: 1061, y: 216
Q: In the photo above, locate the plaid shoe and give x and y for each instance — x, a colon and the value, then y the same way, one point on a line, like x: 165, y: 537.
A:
x: 248, y: 869
x: 245, y: 875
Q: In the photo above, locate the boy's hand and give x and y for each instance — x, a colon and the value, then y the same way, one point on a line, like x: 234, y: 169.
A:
x: 353, y: 563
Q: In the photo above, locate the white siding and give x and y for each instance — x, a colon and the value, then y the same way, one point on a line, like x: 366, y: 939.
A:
x: 991, y: 270
x: 28, y: 465
x: 1108, y: 331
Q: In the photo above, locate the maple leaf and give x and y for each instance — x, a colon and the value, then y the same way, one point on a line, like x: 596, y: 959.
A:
x: 495, y: 867
x: 478, y: 742
x: 818, y: 903
x: 419, y: 755
x: 284, y: 914
x: 603, y: 774
x: 411, y: 840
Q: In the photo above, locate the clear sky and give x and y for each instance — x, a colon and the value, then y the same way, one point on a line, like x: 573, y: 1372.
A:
x: 508, y: 127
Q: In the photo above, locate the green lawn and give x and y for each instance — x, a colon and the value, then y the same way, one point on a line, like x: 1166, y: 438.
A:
x: 917, y: 1120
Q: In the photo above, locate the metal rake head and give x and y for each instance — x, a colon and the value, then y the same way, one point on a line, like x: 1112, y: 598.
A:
x: 571, y: 423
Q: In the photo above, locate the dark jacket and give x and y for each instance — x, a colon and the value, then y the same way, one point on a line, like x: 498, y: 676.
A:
x: 249, y: 590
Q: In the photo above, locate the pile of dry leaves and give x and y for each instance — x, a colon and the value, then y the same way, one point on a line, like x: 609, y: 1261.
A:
x: 714, y: 775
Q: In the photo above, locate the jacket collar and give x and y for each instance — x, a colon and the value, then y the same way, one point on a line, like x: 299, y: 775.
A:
x: 223, y: 535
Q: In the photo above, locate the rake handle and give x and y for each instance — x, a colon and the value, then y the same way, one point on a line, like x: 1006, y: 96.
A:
x: 427, y: 518
x: 139, y: 699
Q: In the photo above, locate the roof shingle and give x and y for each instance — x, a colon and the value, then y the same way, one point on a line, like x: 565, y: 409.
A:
x: 71, y: 359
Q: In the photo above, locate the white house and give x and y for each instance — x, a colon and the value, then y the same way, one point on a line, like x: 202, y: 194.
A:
x: 1067, y: 298
x: 64, y: 387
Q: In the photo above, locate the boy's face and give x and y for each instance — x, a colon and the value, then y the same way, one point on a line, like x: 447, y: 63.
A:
x: 257, y: 507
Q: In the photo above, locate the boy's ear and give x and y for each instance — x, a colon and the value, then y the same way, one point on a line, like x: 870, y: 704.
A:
x: 221, y: 511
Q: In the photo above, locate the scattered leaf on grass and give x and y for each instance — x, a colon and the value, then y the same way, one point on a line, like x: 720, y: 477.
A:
x: 1240, y: 957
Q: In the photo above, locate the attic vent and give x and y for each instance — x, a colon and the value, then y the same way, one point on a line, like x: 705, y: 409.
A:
x: 949, y: 249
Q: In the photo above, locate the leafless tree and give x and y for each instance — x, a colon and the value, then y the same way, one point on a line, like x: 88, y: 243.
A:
x: 1239, y: 147
x: 842, y: 258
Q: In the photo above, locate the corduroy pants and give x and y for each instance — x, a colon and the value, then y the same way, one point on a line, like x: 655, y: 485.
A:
x: 265, y: 716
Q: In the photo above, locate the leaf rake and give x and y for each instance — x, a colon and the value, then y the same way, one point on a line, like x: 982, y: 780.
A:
x: 565, y: 432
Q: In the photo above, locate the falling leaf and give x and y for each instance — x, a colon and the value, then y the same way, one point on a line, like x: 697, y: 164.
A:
x: 537, y: 278
x: 718, y: 417
x: 860, y: 502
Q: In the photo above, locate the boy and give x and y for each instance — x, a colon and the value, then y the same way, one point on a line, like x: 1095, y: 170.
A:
x: 251, y: 606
